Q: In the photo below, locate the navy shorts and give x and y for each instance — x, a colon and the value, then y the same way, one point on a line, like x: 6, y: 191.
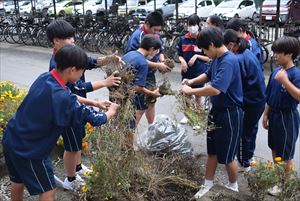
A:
x: 139, y: 102
x: 283, y: 132
x: 73, y: 138
x: 36, y: 175
x: 224, y: 138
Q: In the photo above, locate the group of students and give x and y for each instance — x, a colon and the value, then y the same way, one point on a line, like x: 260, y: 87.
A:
x: 229, y: 61
x: 239, y: 97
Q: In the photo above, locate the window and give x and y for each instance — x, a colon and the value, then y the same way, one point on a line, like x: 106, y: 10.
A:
x: 249, y: 3
x: 208, y: 3
x: 201, y: 4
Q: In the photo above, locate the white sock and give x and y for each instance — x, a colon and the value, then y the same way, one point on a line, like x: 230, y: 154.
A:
x: 208, y: 183
x: 233, y: 185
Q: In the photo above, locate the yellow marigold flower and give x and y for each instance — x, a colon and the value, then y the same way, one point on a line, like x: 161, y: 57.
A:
x: 84, y: 189
x: 119, y: 184
x: 86, y: 173
x: 277, y: 159
x: 270, y: 167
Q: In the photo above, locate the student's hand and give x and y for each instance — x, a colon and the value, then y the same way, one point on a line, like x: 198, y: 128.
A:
x: 184, y: 66
x: 281, y: 76
x: 112, y: 81
x: 116, y: 58
x: 186, y: 82
x: 112, y: 110
x: 163, y: 68
x: 103, y: 104
x: 186, y: 90
x: 265, y: 122
x: 192, y: 60
x: 156, y: 93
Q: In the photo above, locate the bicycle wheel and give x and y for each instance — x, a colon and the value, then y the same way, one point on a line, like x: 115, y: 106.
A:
x: 265, y: 53
x: 6, y: 34
x: 15, y: 34
x: 1, y: 33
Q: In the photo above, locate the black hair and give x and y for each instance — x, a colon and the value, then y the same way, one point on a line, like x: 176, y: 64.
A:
x: 236, y: 24
x: 69, y: 56
x: 216, y: 21
x: 287, y: 45
x: 150, y: 41
x: 193, y: 20
x: 60, y: 29
x: 155, y: 19
x: 231, y: 35
x: 208, y: 36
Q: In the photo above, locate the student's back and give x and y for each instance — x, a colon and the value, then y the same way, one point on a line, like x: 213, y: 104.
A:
x: 252, y: 78
x: 139, y: 63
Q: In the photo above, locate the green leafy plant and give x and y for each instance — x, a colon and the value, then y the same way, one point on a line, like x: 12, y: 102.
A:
x: 265, y: 175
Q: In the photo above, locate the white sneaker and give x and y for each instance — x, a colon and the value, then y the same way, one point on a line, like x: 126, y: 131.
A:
x: 84, y: 171
x: 245, y: 169
x: 274, y: 191
x: 73, y: 185
x: 203, y: 190
x: 196, y: 127
x: 228, y: 186
x: 78, y: 178
x: 184, y: 120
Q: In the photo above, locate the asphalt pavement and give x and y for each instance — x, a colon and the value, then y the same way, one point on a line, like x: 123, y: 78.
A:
x: 23, y: 64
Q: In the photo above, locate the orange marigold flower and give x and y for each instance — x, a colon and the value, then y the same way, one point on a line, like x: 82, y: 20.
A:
x: 253, y: 163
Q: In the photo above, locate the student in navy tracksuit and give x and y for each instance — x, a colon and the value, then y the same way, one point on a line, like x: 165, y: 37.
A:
x: 226, y: 93
x: 241, y: 27
x: 254, y: 94
x: 48, y: 109
x: 281, y: 116
x: 192, y: 59
x: 60, y: 33
x: 149, y: 46
x: 152, y: 25
x: 216, y: 21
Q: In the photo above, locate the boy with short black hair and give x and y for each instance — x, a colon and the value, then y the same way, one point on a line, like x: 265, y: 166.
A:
x: 240, y: 26
x: 61, y: 33
x: 226, y: 114
x: 47, y: 110
x: 149, y: 46
x: 152, y: 25
x: 281, y: 116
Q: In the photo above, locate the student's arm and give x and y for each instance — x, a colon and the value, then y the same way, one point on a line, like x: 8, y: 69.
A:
x: 102, y: 104
x: 203, y: 91
x: 265, y: 120
x: 200, y: 57
x: 161, y: 57
x: 203, y: 78
x: 283, y: 78
x: 108, y: 82
x: 159, y: 65
x: 183, y: 64
x: 68, y: 112
x: 146, y: 91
